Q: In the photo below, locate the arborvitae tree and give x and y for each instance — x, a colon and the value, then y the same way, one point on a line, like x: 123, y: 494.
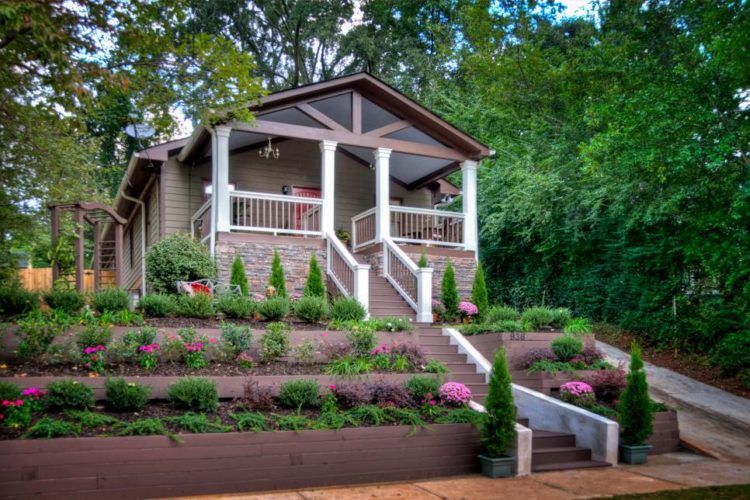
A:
x: 238, y: 276
x: 314, y: 286
x: 449, y: 293
x: 479, y: 291
x: 277, y: 279
x: 636, y: 420
x: 423, y: 261
x: 499, y: 426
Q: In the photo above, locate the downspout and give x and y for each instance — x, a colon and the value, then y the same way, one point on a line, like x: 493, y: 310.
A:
x: 143, y: 232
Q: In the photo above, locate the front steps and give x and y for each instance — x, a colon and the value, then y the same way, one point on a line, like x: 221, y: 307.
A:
x: 386, y: 301
x: 550, y: 450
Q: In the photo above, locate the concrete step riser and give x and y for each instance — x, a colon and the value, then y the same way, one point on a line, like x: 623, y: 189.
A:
x: 539, y: 443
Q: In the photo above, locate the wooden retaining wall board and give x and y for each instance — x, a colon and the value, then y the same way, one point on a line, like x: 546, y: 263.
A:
x: 154, y: 466
x: 666, y: 435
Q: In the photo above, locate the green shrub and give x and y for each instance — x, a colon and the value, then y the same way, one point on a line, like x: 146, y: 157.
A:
x: 390, y: 324
x: 347, y: 309
x: 499, y: 425
x: 194, y: 393
x: 311, y: 309
x: 743, y: 376
x: 235, y: 306
x: 46, y: 428
x: 110, y: 299
x: 65, y: 299
x: 9, y: 391
x: 64, y: 394
x: 124, y: 396
x: 299, y: 394
x: 239, y: 337
x: 423, y: 262
x: 274, y: 343
x: 304, y: 353
x: 449, y: 293
x: 479, y: 296
x: 37, y: 331
x: 238, y: 276
x: 146, y: 427
x: 561, y: 316
x: 277, y: 279
x: 274, y: 308
x: 200, y: 306
x: 578, y: 326
x: 137, y: 338
x: 566, y: 347
x: 419, y: 387
x: 436, y: 366
x: 157, y: 305
x: 250, y: 421
x: 496, y: 314
x: 177, y: 257
x: 14, y: 300
x: 634, y: 409
x: 361, y: 339
x: 538, y: 317
x: 498, y: 327
x: 314, y: 287
x: 89, y: 419
x: 197, y: 423
x: 94, y: 335
x: 732, y: 353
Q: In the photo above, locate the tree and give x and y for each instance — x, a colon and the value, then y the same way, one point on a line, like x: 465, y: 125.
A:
x: 314, y: 287
x: 479, y: 291
x: 449, y: 293
x: 634, y: 410
x: 499, y: 426
x: 238, y: 275
x: 277, y: 279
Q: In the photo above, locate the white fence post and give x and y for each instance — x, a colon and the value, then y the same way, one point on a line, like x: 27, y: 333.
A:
x: 362, y: 285
x: 424, y: 295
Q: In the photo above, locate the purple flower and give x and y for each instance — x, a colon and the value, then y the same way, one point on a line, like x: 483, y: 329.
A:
x: 455, y: 393
x: 576, y: 388
x: 467, y: 308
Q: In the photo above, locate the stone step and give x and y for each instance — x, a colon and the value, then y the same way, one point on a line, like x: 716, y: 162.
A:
x: 546, y: 456
x: 468, y: 379
x: 433, y: 341
x: 548, y: 439
x: 458, y: 368
x: 440, y: 349
x: 450, y: 358
x: 575, y: 464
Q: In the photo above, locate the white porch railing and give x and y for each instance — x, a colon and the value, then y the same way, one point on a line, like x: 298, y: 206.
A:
x: 200, y: 223
x: 349, y: 276
x: 275, y: 213
x: 363, y: 229
x: 413, y: 283
x: 420, y: 226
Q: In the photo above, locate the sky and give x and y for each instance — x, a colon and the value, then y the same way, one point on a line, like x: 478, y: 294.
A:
x: 575, y: 7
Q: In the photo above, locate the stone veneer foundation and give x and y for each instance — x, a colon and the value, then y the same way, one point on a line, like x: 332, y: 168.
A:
x: 256, y: 251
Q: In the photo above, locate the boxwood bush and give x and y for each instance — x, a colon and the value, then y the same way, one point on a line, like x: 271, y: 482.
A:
x: 178, y: 257
x: 110, y: 300
x: 200, y: 305
x: 66, y: 300
x: 299, y: 394
x: 125, y: 396
x: 347, y: 309
x: 566, y: 347
x: 274, y: 308
x: 311, y: 308
x: 194, y: 393
x: 157, y: 305
x: 235, y: 306
x: 14, y: 300
x: 64, y: 394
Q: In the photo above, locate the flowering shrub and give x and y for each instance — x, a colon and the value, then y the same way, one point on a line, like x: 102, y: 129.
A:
x: 381, y: 349
x: 14, y: 414
x: 94, y: 358
x: 578, y: 394
x: 193, y: 356
x: 149, y: 359
x: 608, y: 384
x: 455, y: 394
x: 429, y: 406
x: 32, y: 398
x: 244, y: 360
x: 536, y: 354
x: 437, y: 307
x: 295, y: 296
x: 467, y: 309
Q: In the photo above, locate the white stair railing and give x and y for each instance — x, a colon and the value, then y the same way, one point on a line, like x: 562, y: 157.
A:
x: 412, y: 282
x: 350, y: 277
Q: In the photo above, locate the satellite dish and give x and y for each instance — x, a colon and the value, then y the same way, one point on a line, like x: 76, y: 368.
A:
x: 139, y: 130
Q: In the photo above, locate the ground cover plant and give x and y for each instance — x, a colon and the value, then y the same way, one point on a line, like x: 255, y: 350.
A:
x: 567, y: 353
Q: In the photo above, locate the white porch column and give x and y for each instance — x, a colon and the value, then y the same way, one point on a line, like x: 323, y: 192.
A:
x: 221, y: 179
x: 327, y: 176
x: 424, y: 295
x: 469, y: 198
x: 382, y: 194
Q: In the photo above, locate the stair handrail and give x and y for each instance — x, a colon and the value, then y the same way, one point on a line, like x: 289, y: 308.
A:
x: 421, y: 298
x: 359, y: 279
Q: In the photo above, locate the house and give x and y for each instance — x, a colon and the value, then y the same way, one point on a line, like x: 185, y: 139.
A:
x: 345, y: 159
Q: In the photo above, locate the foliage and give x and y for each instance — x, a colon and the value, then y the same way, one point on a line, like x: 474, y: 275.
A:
x: 412, y: 352
x: 435, y: 366
x: 9, y: 391
x: 423, y: 262
x: 238, y: 276
x: 15, y: 300
x: 347, y: 309
x: 382, y: 324
x: 277, y: 279
x: 66, y: 394
x: 578, y: 326
x: 544, y: 365
x: 37, y: 331
x: 732, y: 354
x: 294, y: 423
x: 157, y: 305
x: 608, y: 384
x: 561, y: 316
x: 145, y: 427
x: 239, y: 337
x: 419, y: 387
x: 47, y: 428
x: 235, y: 306
x: 348, y: 365
x: 94, y: 335
x: 389, y: 393
x: 311, y: 308
x: 274, y: 308
x: 498, y: 313
x: 65, y: 299
x: 479, y: 296
x: 126, y: 396
x: 499, y: 427
x: 368, y: 414
x: 361, y: 339
x: 461, y: 416
x: 275, y: 342
x: 199, y: 305
x: 578, y: 394
x: 535, y: 354
x: 352, y: 394
x: 197, y: 423
x: 249, y: 421
x: 299, y: 394
x: 89, y: 419
x: 177, y: 257
x: 110, y: 300
x: 449, y: 293
x: 194, y: 393
x: 314, y: 287
x: 259, y: 397
x: 304, y: 353
x: 482, y: 328
x: 538, y: 317
x: 634, y: 409
x: 566, y: 347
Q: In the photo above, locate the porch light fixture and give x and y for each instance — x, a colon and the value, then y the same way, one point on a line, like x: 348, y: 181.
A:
x: 269, y: 151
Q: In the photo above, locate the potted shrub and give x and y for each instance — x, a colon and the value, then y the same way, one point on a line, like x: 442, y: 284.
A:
x: 636, y: 420
x: 499, y: 426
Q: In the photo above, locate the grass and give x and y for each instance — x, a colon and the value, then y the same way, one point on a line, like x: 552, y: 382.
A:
x: 732, y: 492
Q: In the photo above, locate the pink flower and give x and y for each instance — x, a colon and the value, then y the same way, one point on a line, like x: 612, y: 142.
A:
x: 19, y: 402
x: 455, y: 393
x: 467, y: 308
x: 576, y: 388
x: 332, y: 387
x: 33, y: 392
x: 381, y: 349
x: 212, y: 340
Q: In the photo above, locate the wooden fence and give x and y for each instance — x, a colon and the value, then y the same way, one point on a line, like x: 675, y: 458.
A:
x: 40, y: 280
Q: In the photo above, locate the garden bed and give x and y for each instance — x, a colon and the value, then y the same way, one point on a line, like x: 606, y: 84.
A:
x: 154, y: 466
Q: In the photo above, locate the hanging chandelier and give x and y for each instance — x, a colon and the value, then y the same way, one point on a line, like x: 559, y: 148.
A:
x: 269, y: 151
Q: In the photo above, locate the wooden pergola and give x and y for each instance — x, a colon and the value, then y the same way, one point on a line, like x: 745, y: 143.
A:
x: 106, y: 253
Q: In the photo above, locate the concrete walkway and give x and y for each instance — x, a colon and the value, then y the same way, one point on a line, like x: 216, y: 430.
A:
x: 711, y: 420
x: 664, y: 472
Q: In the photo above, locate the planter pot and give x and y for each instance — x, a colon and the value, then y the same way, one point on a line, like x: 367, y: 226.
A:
x: 497, y: 467
x: 634, y: 454
x: 435, y: 317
